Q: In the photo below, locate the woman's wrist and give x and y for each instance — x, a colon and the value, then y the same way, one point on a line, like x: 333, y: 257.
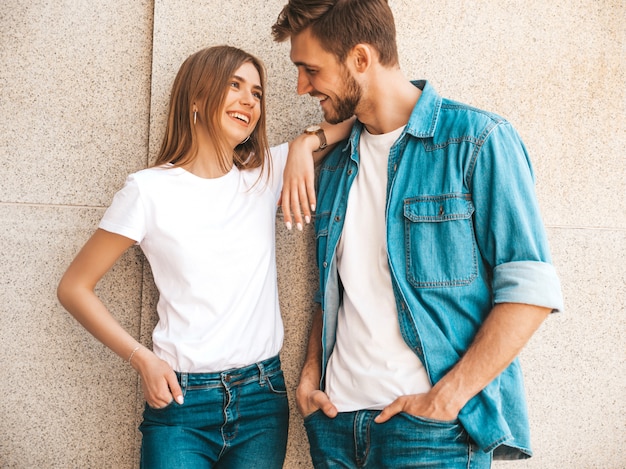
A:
x: 309, y: 142
x: 138, y: 356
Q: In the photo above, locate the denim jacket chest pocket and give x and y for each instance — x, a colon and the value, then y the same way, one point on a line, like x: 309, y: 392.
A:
x: 440, y: 245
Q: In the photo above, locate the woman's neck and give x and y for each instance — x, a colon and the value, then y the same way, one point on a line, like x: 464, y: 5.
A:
x: 207, y: 162
x: 210, y: 169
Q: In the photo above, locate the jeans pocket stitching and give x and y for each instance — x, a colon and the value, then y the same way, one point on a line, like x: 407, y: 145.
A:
x: 428, y: 421
x: 270, y: 385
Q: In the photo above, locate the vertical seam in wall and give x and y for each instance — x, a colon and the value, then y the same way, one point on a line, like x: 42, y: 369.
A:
x: 150, y: 80
x: 138, y: 392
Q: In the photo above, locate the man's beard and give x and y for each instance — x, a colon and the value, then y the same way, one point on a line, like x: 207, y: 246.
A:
x: 345, y: 106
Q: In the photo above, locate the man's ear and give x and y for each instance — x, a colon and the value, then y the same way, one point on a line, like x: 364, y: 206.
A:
x: 361, y: 57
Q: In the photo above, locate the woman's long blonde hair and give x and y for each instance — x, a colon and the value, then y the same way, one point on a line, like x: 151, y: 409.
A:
x: 203, y: 78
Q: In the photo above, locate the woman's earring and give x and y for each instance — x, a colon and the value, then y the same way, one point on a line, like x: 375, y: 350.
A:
x: 246, y: 139
x: 195, y: 114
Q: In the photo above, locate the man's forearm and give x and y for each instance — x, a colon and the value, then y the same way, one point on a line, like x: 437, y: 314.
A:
x: 312, y: 367
x: 309, y: 397
x: 505, y: 332
x: 502, y: 336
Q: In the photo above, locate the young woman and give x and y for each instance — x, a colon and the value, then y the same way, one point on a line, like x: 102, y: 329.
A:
x: 204, y: 215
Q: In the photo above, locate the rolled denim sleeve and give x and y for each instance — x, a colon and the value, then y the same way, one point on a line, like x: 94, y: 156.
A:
x: 509, y: 228
x: 528, y: 282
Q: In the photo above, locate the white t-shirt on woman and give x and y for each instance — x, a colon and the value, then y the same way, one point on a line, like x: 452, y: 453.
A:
x: 211, y: 247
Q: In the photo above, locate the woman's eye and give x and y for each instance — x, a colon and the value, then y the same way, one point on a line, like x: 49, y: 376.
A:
x: 257, y: 95
x: 234, y: 84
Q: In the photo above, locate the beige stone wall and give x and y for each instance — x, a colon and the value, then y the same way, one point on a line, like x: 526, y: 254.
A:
x: 83, y: 89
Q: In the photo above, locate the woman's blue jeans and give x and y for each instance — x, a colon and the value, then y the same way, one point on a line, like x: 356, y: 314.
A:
x: 354, y: 440
x: 234, y: 419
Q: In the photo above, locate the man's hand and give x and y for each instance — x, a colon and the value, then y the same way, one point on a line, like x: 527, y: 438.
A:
x: 501, y: 338
x: 309, y: 399
x: 419, y: 405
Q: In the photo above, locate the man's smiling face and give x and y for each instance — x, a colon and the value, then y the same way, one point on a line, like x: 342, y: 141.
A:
x: 323, y: 77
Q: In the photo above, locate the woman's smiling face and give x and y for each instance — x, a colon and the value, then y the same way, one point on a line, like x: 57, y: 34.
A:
x: 242, y: 106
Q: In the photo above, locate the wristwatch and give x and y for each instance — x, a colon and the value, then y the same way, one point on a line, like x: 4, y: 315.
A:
x: 317, y: 130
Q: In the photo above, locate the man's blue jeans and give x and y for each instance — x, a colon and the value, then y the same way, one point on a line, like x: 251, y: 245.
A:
x: 235, y: 419
x: 354, y: 440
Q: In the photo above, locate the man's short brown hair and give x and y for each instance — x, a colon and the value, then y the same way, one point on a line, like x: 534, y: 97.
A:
x: 340, y: 25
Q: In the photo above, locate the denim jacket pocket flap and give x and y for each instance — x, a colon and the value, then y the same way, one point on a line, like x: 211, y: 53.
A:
x: 440, y: 246
x: 438, y: 208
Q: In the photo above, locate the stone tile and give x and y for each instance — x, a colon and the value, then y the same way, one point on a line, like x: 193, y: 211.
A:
x: 575, y: 365
x: 74, y: 114
x: 68, y: 400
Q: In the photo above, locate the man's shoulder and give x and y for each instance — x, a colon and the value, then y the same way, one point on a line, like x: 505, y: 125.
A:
x: 452, y: 106
x: 458, y: 119
x: 444, y: 118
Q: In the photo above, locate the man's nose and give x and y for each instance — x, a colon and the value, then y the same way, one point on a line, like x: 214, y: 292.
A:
x: 304, y: 84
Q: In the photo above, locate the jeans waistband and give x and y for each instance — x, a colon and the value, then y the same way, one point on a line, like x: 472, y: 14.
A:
x: 256, y: 371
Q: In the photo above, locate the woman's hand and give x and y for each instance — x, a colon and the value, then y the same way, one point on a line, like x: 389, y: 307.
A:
x: 158, y: 380
x: 298, y: 195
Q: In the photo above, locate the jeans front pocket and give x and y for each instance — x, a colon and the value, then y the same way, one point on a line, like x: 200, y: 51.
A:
x: 440, y: 245
x: 433, y: 422
x: 276, y: 382
x: 446, y: 433
x: 160, y: 409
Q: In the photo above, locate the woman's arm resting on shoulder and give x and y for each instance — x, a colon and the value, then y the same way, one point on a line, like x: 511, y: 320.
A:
x: 76, y: 294
x: 298, y: 195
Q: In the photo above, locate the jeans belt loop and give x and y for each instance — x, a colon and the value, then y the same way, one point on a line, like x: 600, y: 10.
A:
x: 261, y: 372
x: 184, y: 382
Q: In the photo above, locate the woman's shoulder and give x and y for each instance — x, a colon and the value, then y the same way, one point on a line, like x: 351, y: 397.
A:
x: 278, y: 154
x: 279, y: 150
x: 153, y: 174
x: 149, y: 180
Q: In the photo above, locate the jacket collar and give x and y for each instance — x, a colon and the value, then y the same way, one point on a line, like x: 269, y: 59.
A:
x: 423, y: 119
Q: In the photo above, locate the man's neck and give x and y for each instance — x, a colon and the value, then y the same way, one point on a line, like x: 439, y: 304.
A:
x: 388, y: 101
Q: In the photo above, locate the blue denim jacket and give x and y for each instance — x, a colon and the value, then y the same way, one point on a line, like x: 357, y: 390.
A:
x: 463, y: 233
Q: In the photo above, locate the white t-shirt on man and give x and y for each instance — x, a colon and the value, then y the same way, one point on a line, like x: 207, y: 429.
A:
x: 211, y: 247
x: 371, y: 365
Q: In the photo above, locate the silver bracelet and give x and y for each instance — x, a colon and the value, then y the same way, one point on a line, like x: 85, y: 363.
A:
x: 132, y: 354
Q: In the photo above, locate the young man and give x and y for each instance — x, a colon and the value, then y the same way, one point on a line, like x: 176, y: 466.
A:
x: 434, y: 265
